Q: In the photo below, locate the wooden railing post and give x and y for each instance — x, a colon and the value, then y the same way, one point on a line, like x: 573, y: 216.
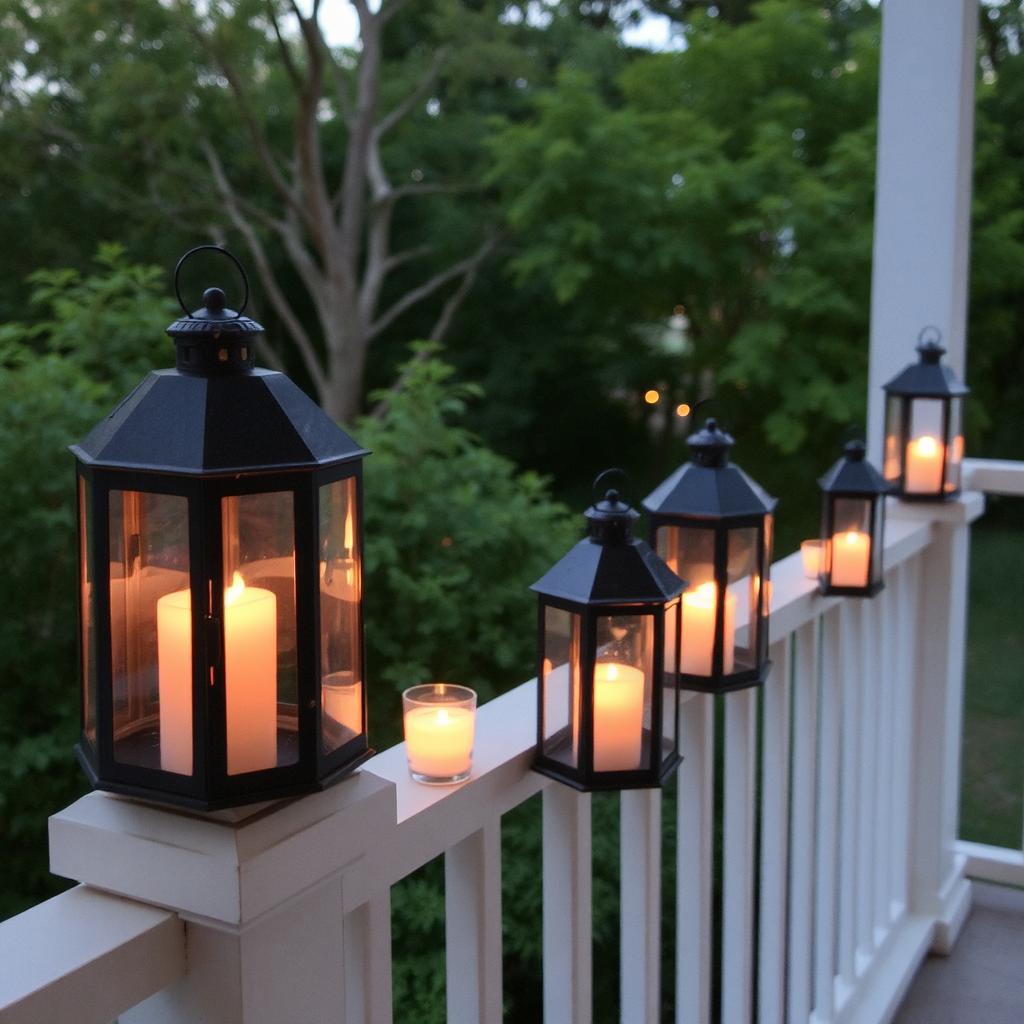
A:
x: 260, y: 891
x: 938, y: 888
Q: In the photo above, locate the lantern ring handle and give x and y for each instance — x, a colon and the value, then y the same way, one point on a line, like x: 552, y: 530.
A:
x: 604, y: 475
x: 213, y: 248
x: 929, y: 333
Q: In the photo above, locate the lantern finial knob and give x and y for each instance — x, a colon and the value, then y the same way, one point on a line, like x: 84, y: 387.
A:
x: 929, y: 344
x: 214, y: 299
x: 710, y: 446
x: 611, y: 519
x: 855, y: 450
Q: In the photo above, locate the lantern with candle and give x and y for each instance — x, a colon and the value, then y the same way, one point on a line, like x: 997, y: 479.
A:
x: 924, y: 443
x: 609, y: 639
x: 712, y: 524
x: 852, y: 526
x: 220, y: 522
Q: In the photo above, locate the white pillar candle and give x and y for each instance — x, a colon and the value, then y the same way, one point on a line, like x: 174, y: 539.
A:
x: 924, y: 466
x: 851, y: 553
x: 174, y: 680
x: 618, y: 716
x: 700, y: 607
x: 439, y: 740
x: 250, y: 676
x: 343, y: 700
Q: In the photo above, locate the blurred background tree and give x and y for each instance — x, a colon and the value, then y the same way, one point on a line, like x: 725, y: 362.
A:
x: 584, y: 221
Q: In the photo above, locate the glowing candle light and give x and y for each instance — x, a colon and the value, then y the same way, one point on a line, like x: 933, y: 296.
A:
x: 250, y: 669
x: 810, y: 555
x: 924, y: 465
x: 851, y: 553
x: 699, y: 611
x: 618, y: 716
x: 440, y: 721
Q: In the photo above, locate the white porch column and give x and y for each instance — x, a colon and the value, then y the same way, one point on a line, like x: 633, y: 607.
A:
x: 260, y: 891
x: 923, y: 187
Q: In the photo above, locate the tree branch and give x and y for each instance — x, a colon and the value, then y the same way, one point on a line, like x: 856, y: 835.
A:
x: 274, y: 292
x: 403, y: 108
x: 467, y: 266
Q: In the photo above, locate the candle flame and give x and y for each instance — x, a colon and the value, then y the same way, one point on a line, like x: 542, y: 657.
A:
x: 612, y: 673
x: 927, y: 445
x: 703, y: 596
x: 852, y: 536
x: 235, y: 591
x: 442, y: 717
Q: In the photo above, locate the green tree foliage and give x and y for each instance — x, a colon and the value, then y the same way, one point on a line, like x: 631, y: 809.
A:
x: 59, y: 375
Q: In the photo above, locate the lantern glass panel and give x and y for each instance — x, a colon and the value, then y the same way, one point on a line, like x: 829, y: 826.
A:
x: 893, y: 438
x: 151, y: 630
x: 87, y: 638
x: 955, y: 440
x: 743, y: 584
x: 623, y: 673
x: 848, y: 550
x: 689, y: 552
x: 669, y: 691
x: 925, y: 448
x: 260, y: 651
x: 560, y: 684
x: 341, y: 678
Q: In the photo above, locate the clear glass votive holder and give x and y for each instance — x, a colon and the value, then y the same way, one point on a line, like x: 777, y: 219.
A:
x: 811, y: 551
x: 440, y: 721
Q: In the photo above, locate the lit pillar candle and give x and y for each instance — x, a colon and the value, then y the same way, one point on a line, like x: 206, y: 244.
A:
x: 810, y: 555
x: 343, y: 700
x: 439, y: 740
x: 618, y: 716
x: 924, y: 466
x: 250, y: 676
x: 698, y: 643
x: 174, y: 680
x: 250, y: 664
x: 851, y: 552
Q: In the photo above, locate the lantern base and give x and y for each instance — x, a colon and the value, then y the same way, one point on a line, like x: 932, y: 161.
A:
x: 934, y: 498
x: 827, y: 591
x: 605, y: 782
x: 728, y: 684
x: 257, y: 794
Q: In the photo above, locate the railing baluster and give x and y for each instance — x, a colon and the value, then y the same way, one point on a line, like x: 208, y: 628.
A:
x: 771, y: 960
x: 568, y: 933
x: 802, y: 827
x: 882, y: 811
x: 640, y: 908
x: 849, y: 637
x: 907, y: 584
x: 694, y: 867
x: 367, y: 941
x: 833, y: 683
x: 866, y: 767
x: 738, y: 857
x: 472, y: 884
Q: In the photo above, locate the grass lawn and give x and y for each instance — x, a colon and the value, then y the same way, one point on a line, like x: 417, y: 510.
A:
x: 992, y: 790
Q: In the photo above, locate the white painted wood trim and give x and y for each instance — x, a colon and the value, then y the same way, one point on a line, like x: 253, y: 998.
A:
x: 997, y: 864
x: 472, y: 891
x: 86, y: 956
x: 640, y: 906
x: 738, y: 857
x: 694, y: 866
x: 773, y: 890
x: 568, y: 927
x: 994, y: 476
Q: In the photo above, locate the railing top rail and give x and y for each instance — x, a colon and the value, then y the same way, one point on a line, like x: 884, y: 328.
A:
x: 994, y: 476
x: 86, y: 956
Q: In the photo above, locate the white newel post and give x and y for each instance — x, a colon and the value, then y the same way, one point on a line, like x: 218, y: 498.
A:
x: 922, y: 187
x: 937, y: 886
x: 260, y: 892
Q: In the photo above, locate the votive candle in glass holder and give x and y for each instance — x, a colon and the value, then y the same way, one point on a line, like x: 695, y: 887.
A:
x: 811, y: 552
x: 440, y: 720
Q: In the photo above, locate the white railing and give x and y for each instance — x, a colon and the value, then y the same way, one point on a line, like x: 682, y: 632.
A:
x: 985, y: 862
x: 837, y: 874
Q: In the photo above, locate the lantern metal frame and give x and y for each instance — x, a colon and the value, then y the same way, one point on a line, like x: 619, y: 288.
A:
x: 709, y: 493
x: 609, y: 573
x: 213, y: 428
x: 854, y: 478
x: 927, y: 380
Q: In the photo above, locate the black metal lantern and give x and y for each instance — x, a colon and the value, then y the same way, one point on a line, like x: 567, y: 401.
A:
x: 852, y: 526
x: 220, y: 523
x: 712, y: 524
x: 924, y: 442
x: 607, y: 699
